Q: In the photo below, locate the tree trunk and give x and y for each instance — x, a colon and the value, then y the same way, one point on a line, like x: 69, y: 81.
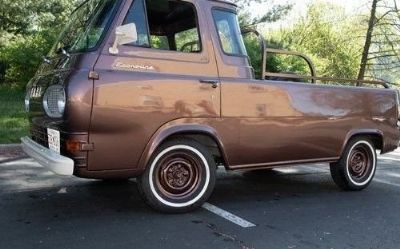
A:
x: 368, y: 41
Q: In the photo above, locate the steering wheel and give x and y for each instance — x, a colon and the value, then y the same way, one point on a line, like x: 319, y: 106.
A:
x: 191, y: 45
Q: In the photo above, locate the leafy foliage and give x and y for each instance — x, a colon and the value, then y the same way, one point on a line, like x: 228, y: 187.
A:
x: 13, y: 119
x: 332, y: 38
x: 27, y: 31
x: 24, y: 17
x: 252, y: 42
x: 324, y: 36
x: 23, y: 56
x: 273, y: 15
x: 382, y: 50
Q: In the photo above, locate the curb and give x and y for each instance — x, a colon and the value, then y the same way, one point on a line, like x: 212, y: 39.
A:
x: 6, y: 146
x: 13, y: 159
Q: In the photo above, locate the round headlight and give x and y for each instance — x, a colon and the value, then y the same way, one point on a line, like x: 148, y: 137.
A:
x: 54, y: 101
x: 27, y: 100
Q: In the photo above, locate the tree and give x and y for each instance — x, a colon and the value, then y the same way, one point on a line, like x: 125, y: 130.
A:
x: 272, y: 15
x: 368, y: 40
x: 21, y: 17
x: 246, y: 20
x: 323, y: 34
x: 27, y: 31
x: 381, y: 52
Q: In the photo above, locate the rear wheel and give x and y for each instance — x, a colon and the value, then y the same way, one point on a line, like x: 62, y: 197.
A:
x: 179, y: 178
x: 356, y: 168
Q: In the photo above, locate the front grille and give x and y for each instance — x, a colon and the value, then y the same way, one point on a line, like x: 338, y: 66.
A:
x: 39, y: 135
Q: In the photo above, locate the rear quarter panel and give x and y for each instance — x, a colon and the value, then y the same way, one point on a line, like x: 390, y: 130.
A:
x: 283, y: 122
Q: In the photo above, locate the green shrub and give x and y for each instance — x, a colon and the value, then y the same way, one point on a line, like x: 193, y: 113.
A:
x: 13, y: 119
x: 22, y: 56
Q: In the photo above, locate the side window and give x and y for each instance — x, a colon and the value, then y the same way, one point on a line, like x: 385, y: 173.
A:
x: 229, y: 32
x: 188, y: 41
x: 159, y: 42
x: 166, y: 25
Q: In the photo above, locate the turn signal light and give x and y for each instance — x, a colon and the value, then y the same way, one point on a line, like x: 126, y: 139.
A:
x: 73, y: 145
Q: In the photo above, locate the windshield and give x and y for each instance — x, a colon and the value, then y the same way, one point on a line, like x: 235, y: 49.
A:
x: 86, y: 27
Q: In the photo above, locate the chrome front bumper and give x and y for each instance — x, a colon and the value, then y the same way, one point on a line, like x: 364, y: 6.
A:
x: 47, y: 158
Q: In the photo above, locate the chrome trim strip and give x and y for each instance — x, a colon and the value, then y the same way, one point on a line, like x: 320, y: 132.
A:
x: 284, y: 163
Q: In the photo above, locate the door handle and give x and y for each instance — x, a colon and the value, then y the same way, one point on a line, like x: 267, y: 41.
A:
x: 214, y: 83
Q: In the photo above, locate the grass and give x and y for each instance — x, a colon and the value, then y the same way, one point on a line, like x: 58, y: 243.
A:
x: 13, y: 119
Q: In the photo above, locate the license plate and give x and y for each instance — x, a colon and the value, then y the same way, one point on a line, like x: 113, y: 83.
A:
x: 54, y: 140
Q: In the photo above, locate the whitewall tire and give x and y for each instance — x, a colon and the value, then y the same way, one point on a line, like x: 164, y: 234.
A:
x: 356, y: 168
x: 179, y: 178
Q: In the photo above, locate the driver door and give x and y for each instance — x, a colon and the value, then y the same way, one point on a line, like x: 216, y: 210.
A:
x: 162, y: 77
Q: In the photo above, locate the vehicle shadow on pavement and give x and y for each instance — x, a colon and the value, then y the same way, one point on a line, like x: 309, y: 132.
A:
x: 77, y: 198
x: 69, y: 209
x: 272, y: 185
x: 91, y: 201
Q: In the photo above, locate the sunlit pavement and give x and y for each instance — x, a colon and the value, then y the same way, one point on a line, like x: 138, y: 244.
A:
x: 290, y: 208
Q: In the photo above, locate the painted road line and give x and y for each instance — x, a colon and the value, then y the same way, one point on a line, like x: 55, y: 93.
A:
x: 396, y: 152
x: 392, y: 174
x: 228, y: 216
x: 389, y: 158
x: 386, y: 182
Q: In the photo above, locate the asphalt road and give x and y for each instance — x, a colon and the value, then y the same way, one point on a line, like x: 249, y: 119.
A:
x: 290, y: 207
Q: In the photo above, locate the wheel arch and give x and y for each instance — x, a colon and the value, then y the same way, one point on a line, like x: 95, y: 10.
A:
x: 376, y: 136
x: 204, y: 134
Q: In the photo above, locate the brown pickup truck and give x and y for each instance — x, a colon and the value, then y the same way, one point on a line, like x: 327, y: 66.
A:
x: 164, y: 91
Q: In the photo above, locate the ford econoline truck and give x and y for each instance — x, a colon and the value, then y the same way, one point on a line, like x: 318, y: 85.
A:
x: 163, y: 91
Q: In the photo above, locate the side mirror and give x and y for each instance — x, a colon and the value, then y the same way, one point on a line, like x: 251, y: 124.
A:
x: 124, y: 34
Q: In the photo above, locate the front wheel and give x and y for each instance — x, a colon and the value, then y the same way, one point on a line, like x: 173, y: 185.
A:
x: 179, y: 178
x: 357, y: 166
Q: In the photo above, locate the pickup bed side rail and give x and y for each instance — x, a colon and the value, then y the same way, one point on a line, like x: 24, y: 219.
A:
x: 313, y: 78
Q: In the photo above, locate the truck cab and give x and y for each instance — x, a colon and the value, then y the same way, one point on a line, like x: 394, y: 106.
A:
x: 163, y: 90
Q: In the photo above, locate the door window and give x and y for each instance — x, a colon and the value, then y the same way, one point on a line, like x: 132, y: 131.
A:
x: 137, y: 15
x: 165, y: 25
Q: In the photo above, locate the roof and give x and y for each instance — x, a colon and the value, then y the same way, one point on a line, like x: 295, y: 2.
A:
x: 225, y: 2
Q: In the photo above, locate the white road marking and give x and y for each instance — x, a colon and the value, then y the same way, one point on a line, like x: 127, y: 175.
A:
x: 392, y: 174
x: 389, y: 158
x: 62, y: 191
x: 396, y: 152
x: 386, y: 182
x: 228, y: 216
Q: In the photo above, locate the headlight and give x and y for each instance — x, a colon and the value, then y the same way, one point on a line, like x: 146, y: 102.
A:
x: 27, y: 100
x: 54, y: 101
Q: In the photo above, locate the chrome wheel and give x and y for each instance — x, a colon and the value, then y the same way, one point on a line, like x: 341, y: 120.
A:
x: 179, y: 178
x: 360, y: 163
x: 177, y: 174
x: 357, y: 166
